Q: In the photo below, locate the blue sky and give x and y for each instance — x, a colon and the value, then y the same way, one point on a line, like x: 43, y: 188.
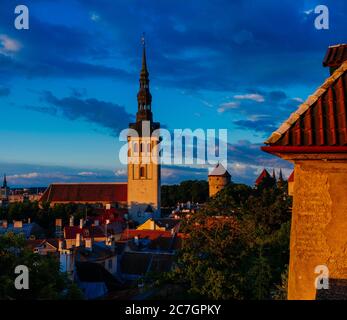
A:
x: 68, y: 84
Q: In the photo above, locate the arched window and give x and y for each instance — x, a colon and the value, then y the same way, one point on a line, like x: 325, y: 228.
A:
x: 136, y: 147
x: 148, y: 147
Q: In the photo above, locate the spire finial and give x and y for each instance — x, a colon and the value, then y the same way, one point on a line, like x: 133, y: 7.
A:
x: 144, y: 60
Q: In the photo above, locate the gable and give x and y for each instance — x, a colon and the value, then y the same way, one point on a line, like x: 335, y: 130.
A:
x: 321, y: 120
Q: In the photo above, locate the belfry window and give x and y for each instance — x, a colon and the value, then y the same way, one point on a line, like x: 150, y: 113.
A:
x: 142, y: 172
x: 136, y: 147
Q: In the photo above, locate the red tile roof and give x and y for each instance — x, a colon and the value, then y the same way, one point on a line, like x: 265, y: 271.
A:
x: 264, y: 174
x: 320, y: 124
x: 70, y: 232
x: 129, y: 234
x: 335, y: 55
x: 291, y: 177
x: 86, y: 232
x: 85, y: 192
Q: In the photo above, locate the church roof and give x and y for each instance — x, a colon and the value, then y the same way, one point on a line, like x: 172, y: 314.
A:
x: 320, y: 123
x: 86, y: 192
x: 219, y: 171
x: 263, y: 175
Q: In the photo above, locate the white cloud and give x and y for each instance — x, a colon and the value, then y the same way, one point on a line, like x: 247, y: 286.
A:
x: 30, y: 175
x: 120, y: 172
x: 250, y: 96
x: 298, y: 100
x: 227, y: 106
x: 94, y: 17
x: 308, y: 12
x: 87, y: 173
x: 8, y: 45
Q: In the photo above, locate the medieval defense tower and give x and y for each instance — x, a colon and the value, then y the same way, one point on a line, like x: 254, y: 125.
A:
x: 218, y: 179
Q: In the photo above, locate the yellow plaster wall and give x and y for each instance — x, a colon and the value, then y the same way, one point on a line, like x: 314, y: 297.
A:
x: 319, y: 225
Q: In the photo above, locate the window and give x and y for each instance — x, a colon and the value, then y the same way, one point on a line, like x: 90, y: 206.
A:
x: 136, y: 147
x: 142, y: 172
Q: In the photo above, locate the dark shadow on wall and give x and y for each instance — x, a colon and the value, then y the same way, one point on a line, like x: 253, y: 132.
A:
x: 337, y: 290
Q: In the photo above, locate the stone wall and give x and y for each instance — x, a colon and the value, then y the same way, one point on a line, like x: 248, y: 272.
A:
x: 319, y: 227
x: 216, y: 184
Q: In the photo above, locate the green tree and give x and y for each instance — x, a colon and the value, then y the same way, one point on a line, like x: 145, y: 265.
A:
x: 237, y: 245
x: 46, y: 282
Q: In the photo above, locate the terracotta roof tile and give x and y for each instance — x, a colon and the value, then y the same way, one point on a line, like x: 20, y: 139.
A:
x: 129, y: 234
x: 263, y: 175
x: 291, y: 177
x: 85, y: 192
x: 335, y: 55
x: 321, y: 120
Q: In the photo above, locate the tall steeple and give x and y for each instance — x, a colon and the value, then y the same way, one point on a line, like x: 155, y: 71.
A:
x: 144, y: 97
x: 4, y: 184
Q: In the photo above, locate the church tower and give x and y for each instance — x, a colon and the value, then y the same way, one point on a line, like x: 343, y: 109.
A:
x: 143, y: 161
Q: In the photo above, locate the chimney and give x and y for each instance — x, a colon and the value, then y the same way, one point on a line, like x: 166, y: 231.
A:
x: 58, y: 228
x: 81, y: 223
x: 78, y: 240
x: 89, y: 244
x: 18, y: 224
x: 58, y: 222
x: 60, y: 245
x: 4, y: 224
x: 335, y: 57
x: 71, y: 221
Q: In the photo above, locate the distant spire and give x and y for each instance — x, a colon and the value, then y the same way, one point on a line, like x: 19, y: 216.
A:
x: 4, y: 185
x: 273, y: 174
x: 281, y: 176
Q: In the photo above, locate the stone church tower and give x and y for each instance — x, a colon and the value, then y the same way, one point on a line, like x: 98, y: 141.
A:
x: 143, y: 164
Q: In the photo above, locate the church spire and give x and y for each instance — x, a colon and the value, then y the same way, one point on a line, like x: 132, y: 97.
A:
x: 144, y: 97
x: 281, y: 176
x: 273, y: 174
x: 4, y: 185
